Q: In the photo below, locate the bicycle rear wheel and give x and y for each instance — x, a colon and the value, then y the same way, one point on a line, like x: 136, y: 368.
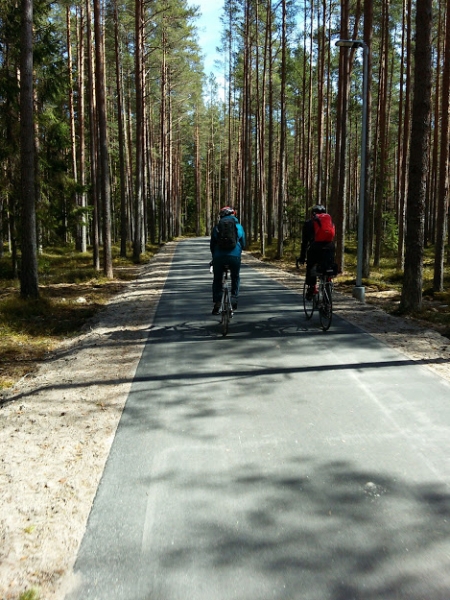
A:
x: 326, y: 308
x: 226, y: 311
x: 308, y: 303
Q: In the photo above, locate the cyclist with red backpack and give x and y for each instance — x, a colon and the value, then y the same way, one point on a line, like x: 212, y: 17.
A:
x: 226, y: 245
x: 317, y: 244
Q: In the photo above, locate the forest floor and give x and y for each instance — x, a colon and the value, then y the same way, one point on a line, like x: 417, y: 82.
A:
x: 57, y: 423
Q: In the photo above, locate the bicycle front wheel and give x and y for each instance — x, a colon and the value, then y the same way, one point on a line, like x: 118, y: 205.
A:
x: 326, y: 308
x: 308, y: 302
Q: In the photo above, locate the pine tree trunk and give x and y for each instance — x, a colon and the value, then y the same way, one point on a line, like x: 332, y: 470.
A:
x: 73, y: 144
x: 441, y: 225
x: 82, y: 228
x: 404, y: 148
x: 282, y: 181
x: 368, y: 36
x: 411, y: 299
x: 93, y: 135
x: 103, y: 142
x: 122, y: 143
x: 382, y: 136
x: 29, y: 287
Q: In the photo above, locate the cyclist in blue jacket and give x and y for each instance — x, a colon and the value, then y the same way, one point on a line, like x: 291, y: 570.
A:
x: 226, y: 245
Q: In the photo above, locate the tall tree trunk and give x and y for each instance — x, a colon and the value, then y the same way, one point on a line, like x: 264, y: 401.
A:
x: 260, y: 140
x: 245, y: 200
x: 122, y: 141
x: 282, y: 181
x: 405, y: 146
x: 29, y: 286
x: 382, y: 176
x: 442, y: 209
x: 163, y: 144
x: 308, y: 152
x: 82, y: 227
x: 93, y: 148
x: 320, y: 102
x: 368, y: 35
x: 338, y: 204
x: 271, y: 136
x: 419, y: 159
x: 73, y: 144
x: 198, y: 174
x: 103, y: 142
x: 138, y: 198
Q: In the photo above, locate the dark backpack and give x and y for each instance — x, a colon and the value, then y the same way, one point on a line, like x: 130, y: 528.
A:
x: 324, y: 229
x: 227, y: 235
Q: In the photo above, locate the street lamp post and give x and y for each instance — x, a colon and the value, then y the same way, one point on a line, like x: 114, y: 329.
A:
x: 359, y: 290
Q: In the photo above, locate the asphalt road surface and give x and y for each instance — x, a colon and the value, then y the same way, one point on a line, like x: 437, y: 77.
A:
x: 280, y: 462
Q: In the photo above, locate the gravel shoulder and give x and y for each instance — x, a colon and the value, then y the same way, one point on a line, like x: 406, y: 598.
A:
x: 57, y: 426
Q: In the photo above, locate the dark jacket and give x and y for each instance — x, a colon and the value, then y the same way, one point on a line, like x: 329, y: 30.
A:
x: 307, y: 238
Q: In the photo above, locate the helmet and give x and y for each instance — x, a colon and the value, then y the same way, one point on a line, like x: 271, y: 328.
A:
x: 226, y: 211
x: 318, y: 209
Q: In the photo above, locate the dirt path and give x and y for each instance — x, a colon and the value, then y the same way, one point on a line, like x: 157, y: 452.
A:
x: 56, y: 427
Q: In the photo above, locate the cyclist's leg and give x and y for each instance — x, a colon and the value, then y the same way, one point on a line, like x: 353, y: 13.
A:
x: 328, y: 252
x: 312, y: 257
x: 218, y: 263
x: 235, y: 269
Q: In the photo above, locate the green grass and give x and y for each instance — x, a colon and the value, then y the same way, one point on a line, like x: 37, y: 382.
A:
x: 30, y: 594
x: 71, y: 292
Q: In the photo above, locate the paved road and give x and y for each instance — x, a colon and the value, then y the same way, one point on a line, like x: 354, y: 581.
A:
x: 280, y: 462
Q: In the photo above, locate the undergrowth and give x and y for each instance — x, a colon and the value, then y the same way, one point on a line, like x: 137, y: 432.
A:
x: 71, y: 292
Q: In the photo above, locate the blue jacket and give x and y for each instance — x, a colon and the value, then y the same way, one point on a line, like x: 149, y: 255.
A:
x: 237, y: 250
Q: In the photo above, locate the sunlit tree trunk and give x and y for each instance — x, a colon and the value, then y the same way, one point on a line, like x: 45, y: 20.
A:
x: 103, y: 142
x: 282, y: 180
x: 368, y: 37
x: 320, y: 102
x: 261, y: 141
x: 93, y: 139
x: 122, y: 142
x: 82, y: 228
x: 338, y: 204
x: 198, y: 175
x: 73, y: 144
x: 382, y: 176
x: 138, y: 241
x: 405, y: 139
x: 271, y: 135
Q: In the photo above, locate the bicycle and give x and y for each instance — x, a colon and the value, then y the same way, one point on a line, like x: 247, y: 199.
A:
x: 322, y: 298
x: 226, y: 309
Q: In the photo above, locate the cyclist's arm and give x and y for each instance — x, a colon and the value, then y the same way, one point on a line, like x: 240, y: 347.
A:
x: 213, y: 240
x: 241, y: 234
x: 307, y: 238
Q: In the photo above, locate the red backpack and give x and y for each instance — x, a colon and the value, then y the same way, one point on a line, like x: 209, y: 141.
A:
x: 324, y: 229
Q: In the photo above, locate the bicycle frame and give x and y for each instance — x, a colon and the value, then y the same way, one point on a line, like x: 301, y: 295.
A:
x: 226, y: 310
x: 322, y: 300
